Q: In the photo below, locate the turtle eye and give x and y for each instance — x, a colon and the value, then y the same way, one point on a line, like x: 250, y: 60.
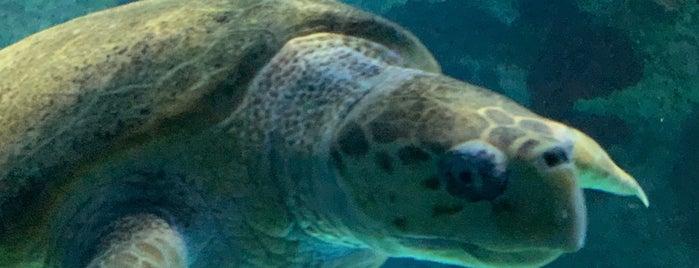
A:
x: 556, y: 156
x: 473, y: 173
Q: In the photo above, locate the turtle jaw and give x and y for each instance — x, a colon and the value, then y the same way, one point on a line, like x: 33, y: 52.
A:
x: 549, y: 212
x: 464, y: 253
x: 535, y: 221
x: 527, y: 243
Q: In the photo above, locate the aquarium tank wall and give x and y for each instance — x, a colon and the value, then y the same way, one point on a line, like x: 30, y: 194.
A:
x: 625, y: 72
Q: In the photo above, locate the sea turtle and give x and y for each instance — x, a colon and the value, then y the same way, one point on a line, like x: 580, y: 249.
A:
x: 273, y: 133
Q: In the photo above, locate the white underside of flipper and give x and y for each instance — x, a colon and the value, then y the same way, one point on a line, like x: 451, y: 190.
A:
x: 143, y: 240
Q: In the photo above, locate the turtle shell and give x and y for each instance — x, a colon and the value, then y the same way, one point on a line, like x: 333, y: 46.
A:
x: 122, y: 76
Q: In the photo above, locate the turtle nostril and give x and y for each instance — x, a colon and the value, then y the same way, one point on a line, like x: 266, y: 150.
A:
x: 473, y: 172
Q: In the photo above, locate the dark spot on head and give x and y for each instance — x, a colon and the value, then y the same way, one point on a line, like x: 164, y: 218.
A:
x: 399, y: 222
x: 499, y: 117
x: 337, y: 161
x: 536, y: 126
x: 392, y: 197
x: 440, y: 210
x: 435, y: 147
x: 352, y: 140
x: 412, y: 155
x: 388, y: 127
x: 384, y: 161
x: 383, y: 133
x: 504, y: 136
x: 431, y: 183
x: 527, y: 147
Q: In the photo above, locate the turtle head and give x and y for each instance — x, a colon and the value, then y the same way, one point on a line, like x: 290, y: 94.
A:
x: 449, y: 172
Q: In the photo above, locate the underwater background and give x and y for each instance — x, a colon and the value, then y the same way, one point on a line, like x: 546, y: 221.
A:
x: 624, y: 71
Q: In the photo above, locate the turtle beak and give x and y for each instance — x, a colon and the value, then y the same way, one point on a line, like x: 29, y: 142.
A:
x: 596, y: 170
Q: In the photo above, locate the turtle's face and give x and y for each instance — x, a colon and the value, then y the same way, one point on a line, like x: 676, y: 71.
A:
x: 462, y: 176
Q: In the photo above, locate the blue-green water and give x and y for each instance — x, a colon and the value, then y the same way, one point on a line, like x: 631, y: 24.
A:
x: 626, y: 72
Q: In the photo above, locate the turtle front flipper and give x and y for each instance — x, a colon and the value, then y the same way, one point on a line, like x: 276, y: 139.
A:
x: 142, y: 240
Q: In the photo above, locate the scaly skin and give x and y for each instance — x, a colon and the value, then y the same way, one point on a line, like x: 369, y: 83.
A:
x: 273, y: 134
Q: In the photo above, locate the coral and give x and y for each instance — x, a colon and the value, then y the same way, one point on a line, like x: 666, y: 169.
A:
x: 581, y: 62
x: 670, y: 84
x: 661, y: 111
x: 657, y: 99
